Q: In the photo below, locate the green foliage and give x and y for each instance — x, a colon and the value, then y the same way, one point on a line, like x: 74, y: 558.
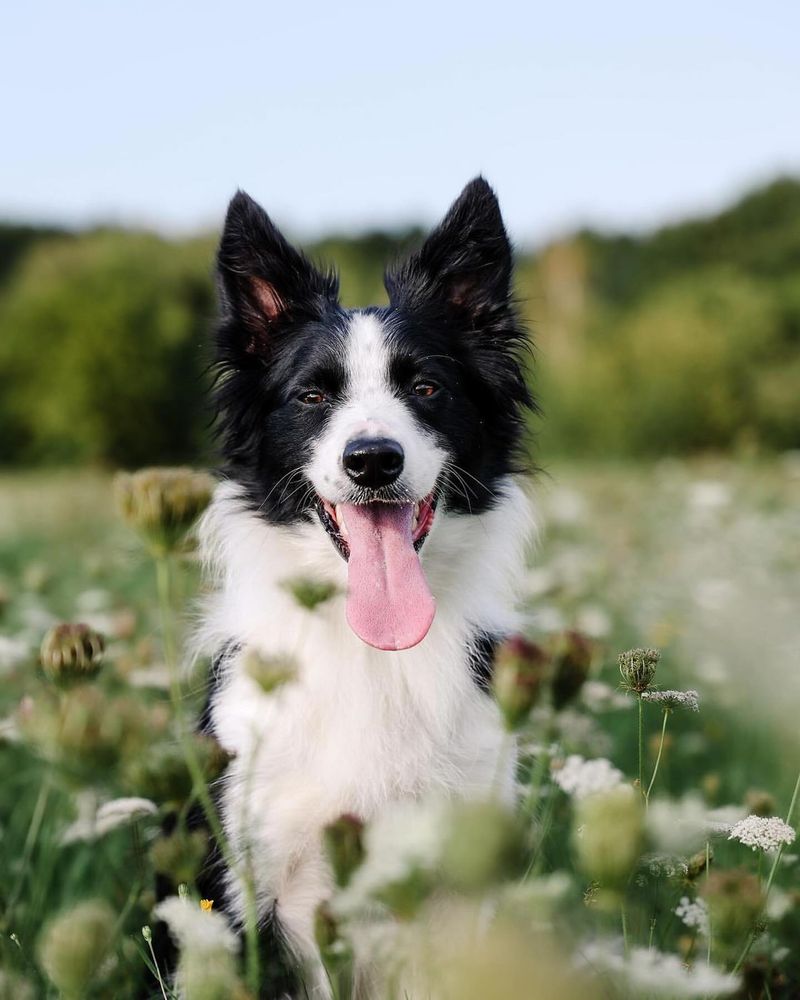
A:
x: 101, y: 356
x: 682, y: 340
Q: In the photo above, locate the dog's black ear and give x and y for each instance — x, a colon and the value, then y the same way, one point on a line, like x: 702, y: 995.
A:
x: 265, y: 283
x: 465, y: 264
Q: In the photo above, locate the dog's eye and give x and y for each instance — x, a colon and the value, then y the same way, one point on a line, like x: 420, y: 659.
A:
x: 312, y: 398
x: 425, y: 389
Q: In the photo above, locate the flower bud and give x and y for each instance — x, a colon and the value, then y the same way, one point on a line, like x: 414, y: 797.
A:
x: 309, y: 592
x: 344, y: 842
x: 607, y: 834
x: 735, y: 901
x: 519, y: 671
x: 71, y: 653
x: 638, y: 668
x: 572, y: 658
x: 269, y: 672
x: 180, y: 854
x: 161, y: 504
x: 74, y: 945
x: 483, y: 846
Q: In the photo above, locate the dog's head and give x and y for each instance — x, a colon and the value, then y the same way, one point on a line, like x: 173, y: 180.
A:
x: 371, y: 420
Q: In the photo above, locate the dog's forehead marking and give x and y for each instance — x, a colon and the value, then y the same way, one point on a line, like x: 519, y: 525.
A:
x: 367, y: 358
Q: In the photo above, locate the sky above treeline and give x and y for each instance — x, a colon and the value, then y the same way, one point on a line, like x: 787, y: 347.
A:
x: 344, y: 117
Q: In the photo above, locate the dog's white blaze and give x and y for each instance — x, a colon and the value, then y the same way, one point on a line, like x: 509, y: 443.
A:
x: 372, y: 409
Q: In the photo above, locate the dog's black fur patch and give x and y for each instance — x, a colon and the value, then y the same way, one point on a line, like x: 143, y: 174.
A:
x: 451, y: 318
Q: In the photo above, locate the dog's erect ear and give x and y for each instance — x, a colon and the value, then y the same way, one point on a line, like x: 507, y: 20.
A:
x: 265, y: 283
x: 465, y: 263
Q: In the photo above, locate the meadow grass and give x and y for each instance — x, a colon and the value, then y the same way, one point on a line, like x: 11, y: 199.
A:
x: 700, y: 560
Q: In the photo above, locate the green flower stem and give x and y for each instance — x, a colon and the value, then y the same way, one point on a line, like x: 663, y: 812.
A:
x: 658, y: 756
x: 708, y: 872
x: 771, y: 876
x: 199, y: 786
x: 641, y: 747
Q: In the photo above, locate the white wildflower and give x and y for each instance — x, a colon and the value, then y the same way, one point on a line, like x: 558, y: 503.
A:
x: 762, y: 833
x: 708, y: 495
x: 94, y: 822
x: 650, y: 972
x: 665, y: 866
x: 549, y: 619
x: 680, y: 826
x: 593, y: 621
x: 404, y: 838
x: 694, y: 914
x: 91, y: 601
x: 540, y: 581
x: 13, y: 651
x: 195, y: 928
x: 120, y: 812
x: 673, y: 699
x: 580, y: 777
x: 581, y: 733
x: 598, y: 696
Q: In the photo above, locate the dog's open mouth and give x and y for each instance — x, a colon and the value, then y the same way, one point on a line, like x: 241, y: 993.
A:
x: 389, y: 603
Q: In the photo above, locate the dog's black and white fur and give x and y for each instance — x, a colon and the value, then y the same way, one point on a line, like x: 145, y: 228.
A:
x: 438, y: 374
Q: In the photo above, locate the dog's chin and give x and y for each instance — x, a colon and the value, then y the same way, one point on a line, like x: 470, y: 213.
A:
x: 330, y: 517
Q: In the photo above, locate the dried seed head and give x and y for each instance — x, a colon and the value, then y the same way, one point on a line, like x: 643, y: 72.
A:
x: 269, y: 672
x: 572, y: 658
x: 162, y: 504
x: 483, y: 846
x: 71, y: 653
x: 310, y: 593
x: 74, y: 945
x: 638, y: 668
x: 608, y: 833
x: 520, y: 668
x: 344, y: 842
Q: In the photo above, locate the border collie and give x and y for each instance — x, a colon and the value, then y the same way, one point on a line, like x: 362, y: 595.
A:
x: 375, y: 449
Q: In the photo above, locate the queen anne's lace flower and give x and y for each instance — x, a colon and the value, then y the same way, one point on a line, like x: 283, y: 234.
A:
x: 673, y: 699
x: 694, y: 914
x: 762, y: 833
x: 580, y: 777
x: 653, y: 973
x: 193, y: 927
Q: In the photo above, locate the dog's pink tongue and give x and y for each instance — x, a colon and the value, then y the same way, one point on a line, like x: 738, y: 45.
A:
x: 389, y: 604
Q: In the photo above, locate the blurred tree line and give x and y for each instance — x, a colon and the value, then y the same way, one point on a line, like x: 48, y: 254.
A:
x: 681, y: 340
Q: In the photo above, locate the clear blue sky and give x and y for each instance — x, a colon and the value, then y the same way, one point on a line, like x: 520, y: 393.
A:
x: 348, y: 115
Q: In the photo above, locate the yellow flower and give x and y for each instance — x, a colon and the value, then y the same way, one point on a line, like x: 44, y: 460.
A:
x: 206, y: 905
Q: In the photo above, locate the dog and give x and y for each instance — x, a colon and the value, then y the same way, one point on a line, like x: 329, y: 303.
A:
x: 377, y: 451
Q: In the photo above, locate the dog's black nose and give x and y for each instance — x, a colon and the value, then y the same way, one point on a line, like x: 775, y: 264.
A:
x: 373, y: 462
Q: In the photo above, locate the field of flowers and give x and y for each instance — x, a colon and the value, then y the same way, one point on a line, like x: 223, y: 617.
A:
x: 656, y: 704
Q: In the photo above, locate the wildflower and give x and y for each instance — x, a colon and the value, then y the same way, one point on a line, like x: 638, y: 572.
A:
x: 481, y: 847
x: 638, y: 668
x: 13, y: 652
x: 759, y: 802
x: 327, y: 932
x: 693, y: 913
x: 269, y: 672
x: 680, y: 826
x: 191, y: 926
x: 75, y: 944
x: 645, y: 971
x: 762, y: 833
x: 519, y: 670
x: 572, y: 657
x: 735, y: 901
x: 607, y: 834
x: 161, y: 504
x: 670, y: 700
x: 120, y: 812
x: 71, y: 653
x: 309, y: 593
x: 579, y: 777
x: 180, y: 854
x: 345, y: 846
x: 206, y: 905
x: 598, y: 696
x: 206, y: 966
x: 403, y: 845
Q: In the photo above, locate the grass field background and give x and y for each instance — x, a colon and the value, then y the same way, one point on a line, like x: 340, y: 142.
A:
x: 700, y: 559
